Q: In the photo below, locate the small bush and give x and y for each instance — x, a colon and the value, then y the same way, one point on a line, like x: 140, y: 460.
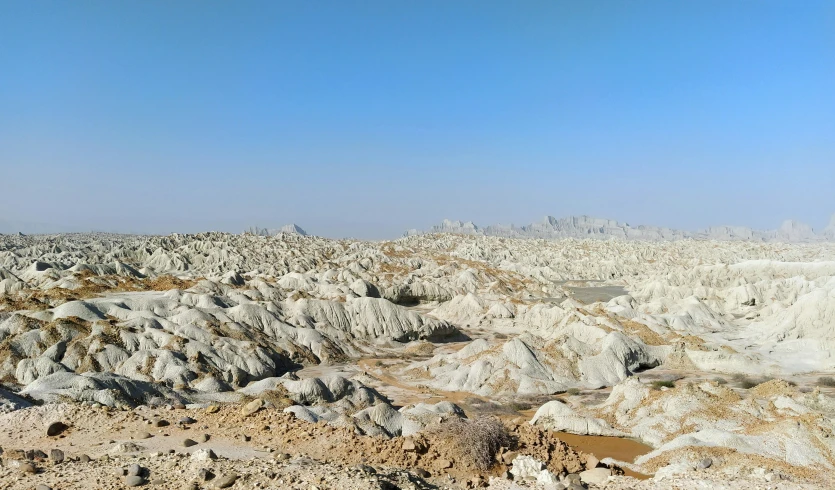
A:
x: 657, y: 385
x: 477, y: 440
x: 747, y: 383
x: 519, y: 406
x: 827, y: 381
x: 379, y: 363
x: 572, y: 391
x: 721, y: 381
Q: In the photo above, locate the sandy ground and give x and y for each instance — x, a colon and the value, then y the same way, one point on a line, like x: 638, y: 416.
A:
x: 262, y: 448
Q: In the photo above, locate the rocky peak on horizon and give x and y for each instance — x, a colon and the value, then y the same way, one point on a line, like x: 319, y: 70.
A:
x: 291, y: 228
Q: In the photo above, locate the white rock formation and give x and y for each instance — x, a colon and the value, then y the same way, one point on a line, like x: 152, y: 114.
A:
x: 590, y: 227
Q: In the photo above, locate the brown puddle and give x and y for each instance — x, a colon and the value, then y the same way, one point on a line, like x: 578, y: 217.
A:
x: 609, y: 447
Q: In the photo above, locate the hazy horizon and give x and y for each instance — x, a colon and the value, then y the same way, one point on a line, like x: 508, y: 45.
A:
x: 367, y: 119
x: 9, y: 227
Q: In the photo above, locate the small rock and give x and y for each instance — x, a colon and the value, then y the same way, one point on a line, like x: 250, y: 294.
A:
x: 27, y: 468
x: 203, y: 438
x: 212, y: 409
x: 161, y: 423
x: 596, y: 476
x: 142, y: 435
x: 43, y: 487
x: 203, y: 455
x: 226, y: 481
x: 35, y: 454
x: 422, y: 473
x: 281, y: 456
x: 158, y: 481
x: 56, y: 428
x: 134, y: 481
x: 186, y: 421
x: 206, y: 474
x: 134, y: 470
x: 120, y: 471
x: 193, y: 486
x: 125, y: 448
x: 189, y: 443
x: 408, y: 445
x: 84, y: 458
x: 252, y: 407
x: 368, y: 470
x: 56, y: 455
x: 443, y: 463
x: 705, y: 463
x: 591, y: 461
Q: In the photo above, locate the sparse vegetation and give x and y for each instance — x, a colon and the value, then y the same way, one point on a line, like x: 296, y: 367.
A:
x: 572, y: 391
x: 747, y: 383
x: 826, y: 381
x: 721, y: 381
x: 475, y: 440
x: 519, y: 406
x: 657, y: 385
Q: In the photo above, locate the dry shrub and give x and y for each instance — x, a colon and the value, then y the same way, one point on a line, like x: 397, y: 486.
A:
x: 477, y: 441
x: 827, y: 381
x: 657, y: 385
x: 747, y: 383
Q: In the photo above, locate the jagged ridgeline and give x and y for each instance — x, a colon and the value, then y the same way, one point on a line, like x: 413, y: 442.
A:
x: 589, y: 227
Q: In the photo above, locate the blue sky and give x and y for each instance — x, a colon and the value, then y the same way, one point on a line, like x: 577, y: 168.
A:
x: 367, y: 118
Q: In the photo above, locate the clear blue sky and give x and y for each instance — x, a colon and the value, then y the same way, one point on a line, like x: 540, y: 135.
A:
x: 367, y: 118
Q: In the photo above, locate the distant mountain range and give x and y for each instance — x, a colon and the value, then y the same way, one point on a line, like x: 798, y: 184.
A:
x: 590, y: 227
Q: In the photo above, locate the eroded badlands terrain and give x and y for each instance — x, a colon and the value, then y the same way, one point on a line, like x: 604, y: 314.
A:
x: 434, y: 361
